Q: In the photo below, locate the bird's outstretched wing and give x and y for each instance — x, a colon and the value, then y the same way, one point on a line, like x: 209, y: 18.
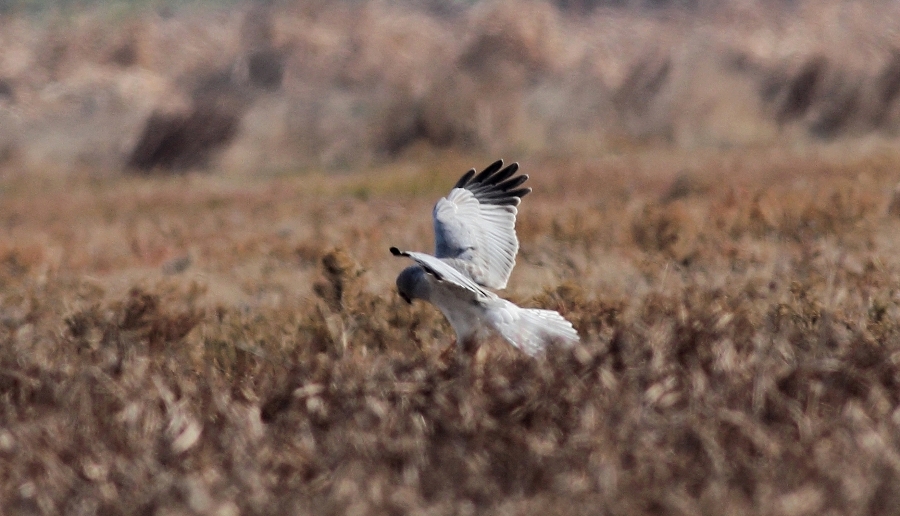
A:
x: 475, y: 225
x: 443, y: 271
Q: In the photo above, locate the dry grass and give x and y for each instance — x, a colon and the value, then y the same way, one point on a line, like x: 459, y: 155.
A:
x: 715, y: 209
x: 206, y: 345
x: 342, y: 84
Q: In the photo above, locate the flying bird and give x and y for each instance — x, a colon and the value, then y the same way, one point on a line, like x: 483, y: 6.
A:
x: 475, y: 250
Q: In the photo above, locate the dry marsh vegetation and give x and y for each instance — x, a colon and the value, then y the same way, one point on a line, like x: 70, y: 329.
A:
x: 212, y: 345
x: 276, y: 85
x: 715, y: 209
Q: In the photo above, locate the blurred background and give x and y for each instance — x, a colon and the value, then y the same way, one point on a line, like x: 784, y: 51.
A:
x: 715, y: 209
x: 156, y: 87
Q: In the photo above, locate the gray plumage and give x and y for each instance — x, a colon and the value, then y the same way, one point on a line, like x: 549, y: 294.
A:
x: 475, y: 249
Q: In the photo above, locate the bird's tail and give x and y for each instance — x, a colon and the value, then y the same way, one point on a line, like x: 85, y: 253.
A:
x: 532, y: 330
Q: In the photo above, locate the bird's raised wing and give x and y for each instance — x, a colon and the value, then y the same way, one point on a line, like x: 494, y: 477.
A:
x: 443, y: 271
x: 475, y: 225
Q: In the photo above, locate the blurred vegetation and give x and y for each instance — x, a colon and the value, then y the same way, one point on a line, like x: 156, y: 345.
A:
x: 214, y: 345
x: 341, y: 85
x: 113, y: 6
x: 715, y: 208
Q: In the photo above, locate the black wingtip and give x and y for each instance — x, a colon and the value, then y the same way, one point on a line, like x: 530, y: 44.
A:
x: 495, y: 184
x: 512, y: 183
x: 521, y: 192
x: 489, y: 171
x: 464, y: 180
x: 502, y: 175
x: 396, y: 252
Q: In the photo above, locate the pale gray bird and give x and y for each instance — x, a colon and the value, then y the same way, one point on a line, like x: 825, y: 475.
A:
x: 475, y: 249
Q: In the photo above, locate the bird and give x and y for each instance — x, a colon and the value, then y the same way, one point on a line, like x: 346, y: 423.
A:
x: 475, y: 251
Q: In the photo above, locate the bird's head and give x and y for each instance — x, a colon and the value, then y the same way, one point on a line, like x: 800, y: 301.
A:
x: 411, y: 284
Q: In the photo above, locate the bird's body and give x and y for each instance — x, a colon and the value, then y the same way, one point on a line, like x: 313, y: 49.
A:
x: 475, y: 249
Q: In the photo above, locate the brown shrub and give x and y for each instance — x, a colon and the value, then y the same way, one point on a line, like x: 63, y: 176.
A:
x: 668, y: 228
x: 183, y: 141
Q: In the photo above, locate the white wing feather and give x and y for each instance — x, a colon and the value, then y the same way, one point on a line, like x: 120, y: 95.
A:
x: 445, y: 272
x: 475, y: 225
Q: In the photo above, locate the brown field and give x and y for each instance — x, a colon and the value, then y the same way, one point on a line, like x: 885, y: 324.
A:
x: 211, y: 345
x: 715, y: 208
